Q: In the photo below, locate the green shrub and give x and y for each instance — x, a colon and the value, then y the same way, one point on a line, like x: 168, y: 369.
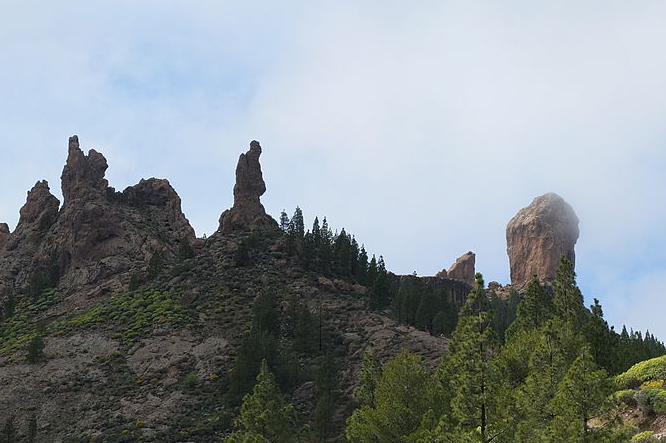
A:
x: 643, y: 437
x: 653, y: 369
x: 651, y: 400
x: 625, y: 396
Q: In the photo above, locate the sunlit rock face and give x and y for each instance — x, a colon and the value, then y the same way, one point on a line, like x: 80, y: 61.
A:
x: 538, y: 235
x: 247, y: 212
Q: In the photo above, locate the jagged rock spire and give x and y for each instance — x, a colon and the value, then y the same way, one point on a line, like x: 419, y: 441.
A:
x: 247, y: 212
x: 83, y: 175
x: 538, y: 236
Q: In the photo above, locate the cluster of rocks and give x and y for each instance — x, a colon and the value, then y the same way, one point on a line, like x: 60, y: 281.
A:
x: 99, y: 235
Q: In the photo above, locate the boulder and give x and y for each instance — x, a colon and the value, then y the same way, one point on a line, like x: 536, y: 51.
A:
x: 538, y: 235
x: 463, y: 268
x: 247, y: 212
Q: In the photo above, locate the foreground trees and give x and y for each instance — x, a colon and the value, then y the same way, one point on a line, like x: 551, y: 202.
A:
x: 543, y: 385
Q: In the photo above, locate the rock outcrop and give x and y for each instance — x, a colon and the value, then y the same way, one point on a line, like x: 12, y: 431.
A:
x: 247, y: 212
x: 538, y: 236
x: 99, y: 236
x: 463, y: 268
x: 4, y: 234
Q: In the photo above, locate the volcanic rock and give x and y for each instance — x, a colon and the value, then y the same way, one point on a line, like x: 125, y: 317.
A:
x: 99, y: 237
x: 4, y: 234
x: 247, y: 212
x: 40, y: 209
x: 538, y: 236
x: 463, y: 268
x: 83, y: 175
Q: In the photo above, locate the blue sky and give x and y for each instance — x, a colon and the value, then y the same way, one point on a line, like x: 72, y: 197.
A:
x: 421, y: 127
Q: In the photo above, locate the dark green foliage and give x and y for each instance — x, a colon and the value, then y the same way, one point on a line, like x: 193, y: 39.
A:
x: 301, y: 327
x: 380, y: 293
x: 9, y: 306
x: 579, y: 398
x: 257, y: 346
x: 402, y: 397
x: 264, y: 416
x: 242, y: 254
x: 296, y: 225
x: 474, y: 378
x: 35, y: 349
x: 368, y: 377
x: 185, y: 250
x: 155, y: 265
x: 9, y: 431
x: 446, y: 319
x: 568, y: 298
x: 32, y: 429
x: 425, y: 308
x: 265, y: 316
x: 504, y: 312
x: 327, y: 385
x: 284, y: 221
x: 534, y: 309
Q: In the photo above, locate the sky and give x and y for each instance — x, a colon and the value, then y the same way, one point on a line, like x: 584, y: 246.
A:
x: 420, y: 127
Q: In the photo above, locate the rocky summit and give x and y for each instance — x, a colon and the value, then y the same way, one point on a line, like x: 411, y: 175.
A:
x: 99, y: 237
x: 538, y: 235
x: 247, y: 212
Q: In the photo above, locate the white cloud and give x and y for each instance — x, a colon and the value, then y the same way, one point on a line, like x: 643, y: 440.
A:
x: 421, y: 128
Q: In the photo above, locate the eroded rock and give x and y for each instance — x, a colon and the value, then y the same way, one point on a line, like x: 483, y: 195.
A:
x: 247, y: 212
x: 463, y: 268
x: 538, y: 235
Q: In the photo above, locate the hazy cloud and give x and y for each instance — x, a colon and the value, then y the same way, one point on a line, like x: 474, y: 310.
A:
x: 422, y: 127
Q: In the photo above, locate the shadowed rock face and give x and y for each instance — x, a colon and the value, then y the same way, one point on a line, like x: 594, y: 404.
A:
x: 538, y: 236
x: 98, y: 236
x: 247, y: 212
x: 40, y: 209
x: 4, y: 234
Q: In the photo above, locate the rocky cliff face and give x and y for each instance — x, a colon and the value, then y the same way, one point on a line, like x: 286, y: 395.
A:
x: 247, y: 212
x: 98, y: 236
x: 463, y: 268
x: 538, y: 236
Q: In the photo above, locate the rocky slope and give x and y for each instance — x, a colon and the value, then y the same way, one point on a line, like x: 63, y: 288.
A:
x: 153, y: 363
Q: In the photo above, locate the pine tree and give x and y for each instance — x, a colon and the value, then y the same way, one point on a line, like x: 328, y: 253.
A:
x: 327, y: 385
x: 568, y: 298
x: 474, y: 378
x: 368, y: 377
x: 579, y: 398
x: 556, y: 346
x: 297, y: 225
x: 534, y: 309
x: 264, y: 413
x: 9, y: 431
x: 264, y: 314
x: 402, y: 397
x: 284, y: 221
x: 362, y: 267
x: 185, y: 250
x: 32, y: 429
x: 258, y: 346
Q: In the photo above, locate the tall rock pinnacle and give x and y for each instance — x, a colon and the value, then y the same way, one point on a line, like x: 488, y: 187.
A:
x: 538, y: 236
x: 247, y: 212
x: 83, y: 175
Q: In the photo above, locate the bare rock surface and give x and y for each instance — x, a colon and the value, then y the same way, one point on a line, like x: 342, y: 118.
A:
x: 463, y: 268
x: 247, y: 212
x: 538, y: 235
x: 98, y: 236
